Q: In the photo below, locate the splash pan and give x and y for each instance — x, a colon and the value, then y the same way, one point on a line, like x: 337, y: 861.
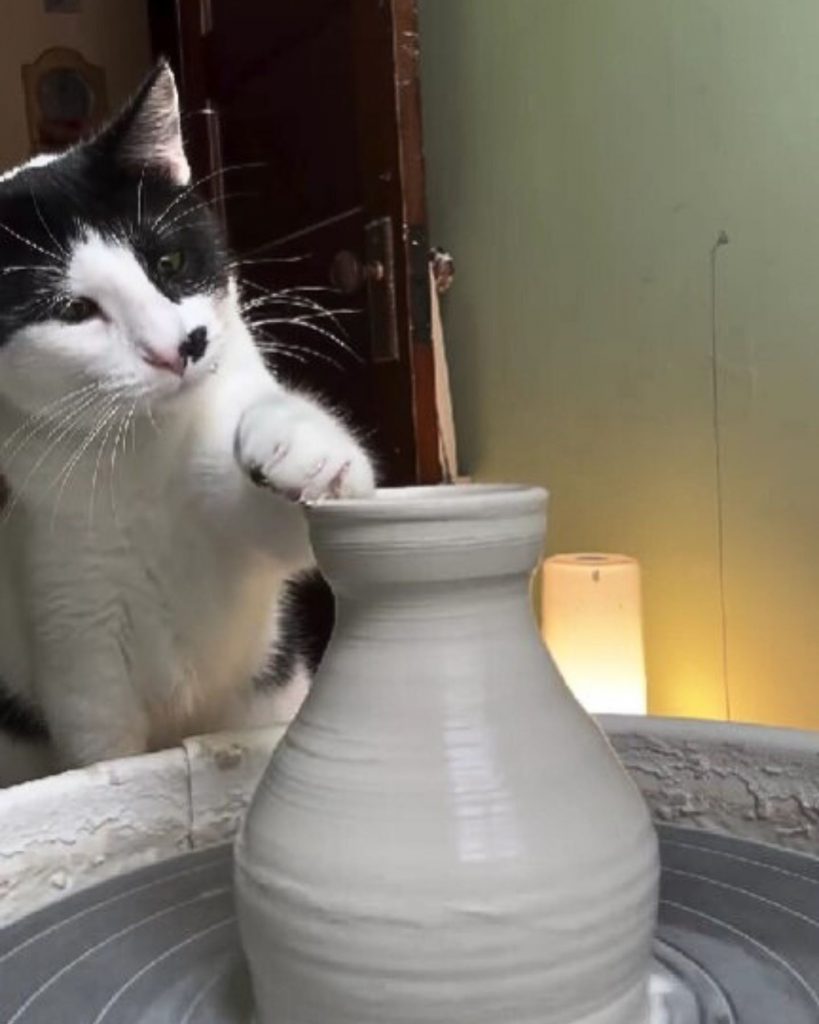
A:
x: 737, y: 942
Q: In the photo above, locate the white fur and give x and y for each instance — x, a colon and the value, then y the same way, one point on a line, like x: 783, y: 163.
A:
x: 140, y: 571
x: 40, y: 160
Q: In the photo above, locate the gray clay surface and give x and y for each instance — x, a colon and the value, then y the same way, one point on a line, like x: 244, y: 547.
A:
x: 739, y: 923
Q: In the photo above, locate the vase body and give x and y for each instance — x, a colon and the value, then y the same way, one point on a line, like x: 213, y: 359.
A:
x: 443, y: 836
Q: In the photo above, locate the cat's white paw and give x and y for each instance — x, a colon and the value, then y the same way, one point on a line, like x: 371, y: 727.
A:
x: 298, y: 450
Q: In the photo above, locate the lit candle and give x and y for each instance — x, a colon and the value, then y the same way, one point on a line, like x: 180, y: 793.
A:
x: 592, y: 624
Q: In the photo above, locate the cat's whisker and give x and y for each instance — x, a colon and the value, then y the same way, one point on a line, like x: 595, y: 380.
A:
x: 304, y: 301
x: 323, y: 315
x: 297, y: 319
x: 134, y: 428
x: 121, y: 436
x: 299, y: 288
x: 204, y: 205
x: 32, y: 245
x: 111, y: 420
x: 293, y: 289
x: 317, y: 330
x: 288, y: 354
x: 149, y: 415
x: 275, y: 298
x: 302, y: 318
x: 278, y: 242
x: 235, y: 264
x: 36, y: 268
x: 67, y: 418
x: 41, y: 414
x: 198, y: 183
x: 96, y: 410
x: 66, y: 424
x: 60, y: 248
x: 288, y: 300
x: 77, y: 408
x: 302, y: 355
x: 109, y: 402
x: 122, y: 433
x: 298, y: 295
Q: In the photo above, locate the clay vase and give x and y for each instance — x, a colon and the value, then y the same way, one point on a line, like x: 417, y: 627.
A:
x: 443, y: 836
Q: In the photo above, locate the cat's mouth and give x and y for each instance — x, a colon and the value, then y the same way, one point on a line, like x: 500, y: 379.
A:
x: 173, y: 364
x: 169, y: 384
x: 180, y: 361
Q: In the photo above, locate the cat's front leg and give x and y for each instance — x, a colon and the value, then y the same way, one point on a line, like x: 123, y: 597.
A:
x: 291, y: 445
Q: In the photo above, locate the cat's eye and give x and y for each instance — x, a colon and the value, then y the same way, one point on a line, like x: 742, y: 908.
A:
x: 77, y: 311
x: 170, y: 263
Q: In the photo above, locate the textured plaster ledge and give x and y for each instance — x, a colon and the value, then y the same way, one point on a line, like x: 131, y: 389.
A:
x: 73, y: 830
x: 749, y: 781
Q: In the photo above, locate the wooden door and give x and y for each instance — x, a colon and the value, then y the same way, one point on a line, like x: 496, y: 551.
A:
x: 304, y: 124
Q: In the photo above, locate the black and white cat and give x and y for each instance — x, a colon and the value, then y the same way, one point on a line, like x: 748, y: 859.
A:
x: 155, y: 465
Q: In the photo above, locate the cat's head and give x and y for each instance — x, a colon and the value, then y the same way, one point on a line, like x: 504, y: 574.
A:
x: 113, y: 274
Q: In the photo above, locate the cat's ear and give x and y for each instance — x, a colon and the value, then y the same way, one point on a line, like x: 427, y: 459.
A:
x: 146, y: 134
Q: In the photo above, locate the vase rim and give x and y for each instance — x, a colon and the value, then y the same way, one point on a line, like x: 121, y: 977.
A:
x: 437, y: 501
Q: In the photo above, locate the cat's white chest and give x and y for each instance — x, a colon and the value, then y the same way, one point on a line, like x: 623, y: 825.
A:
x: 150, y: 597
x: 199, y: 619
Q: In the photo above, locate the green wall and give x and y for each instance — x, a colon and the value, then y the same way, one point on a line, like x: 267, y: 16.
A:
x: 583, y: 156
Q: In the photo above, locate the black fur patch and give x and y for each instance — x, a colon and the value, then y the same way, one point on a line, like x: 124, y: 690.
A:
x: 20, y: 719
x: 45, y: 210
x: 308, y: 615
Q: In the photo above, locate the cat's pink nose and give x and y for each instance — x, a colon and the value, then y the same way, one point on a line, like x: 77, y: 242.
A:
x: 190, y: 350
x: 173, y: 363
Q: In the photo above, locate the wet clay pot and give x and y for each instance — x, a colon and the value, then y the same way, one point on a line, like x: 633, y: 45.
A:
x: 443, y: 836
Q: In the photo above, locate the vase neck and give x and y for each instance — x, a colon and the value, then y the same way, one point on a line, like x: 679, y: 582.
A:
x: 428, y: 609
x: 429, y: 538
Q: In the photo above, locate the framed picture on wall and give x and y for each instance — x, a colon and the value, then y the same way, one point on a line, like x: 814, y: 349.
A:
x: 66, y: 98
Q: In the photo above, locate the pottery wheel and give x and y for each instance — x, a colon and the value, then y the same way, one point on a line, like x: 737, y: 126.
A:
x: 738, y: 942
